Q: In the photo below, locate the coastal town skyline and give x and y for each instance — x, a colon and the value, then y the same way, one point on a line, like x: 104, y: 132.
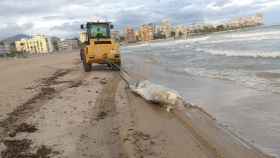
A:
x: 61, y: 17
x: 41, y: 44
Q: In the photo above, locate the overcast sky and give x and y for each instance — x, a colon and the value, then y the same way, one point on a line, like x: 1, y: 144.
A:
x: 63, y: 17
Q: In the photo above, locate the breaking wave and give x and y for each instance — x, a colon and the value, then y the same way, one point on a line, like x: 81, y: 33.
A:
x: 198, y: 39
x: 245, y: 78
x: 253, y: 34
x: 274, y: 37
x: 136, y: 45
x: 169, y: 42
x: 233, y: 53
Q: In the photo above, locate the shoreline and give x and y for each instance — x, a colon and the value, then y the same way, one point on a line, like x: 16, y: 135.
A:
x: 250, y: 113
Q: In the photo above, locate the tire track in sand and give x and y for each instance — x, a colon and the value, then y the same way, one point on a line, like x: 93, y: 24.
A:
x: 103, y: 138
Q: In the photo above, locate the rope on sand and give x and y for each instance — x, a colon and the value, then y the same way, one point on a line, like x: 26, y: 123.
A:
x: 149, y: 91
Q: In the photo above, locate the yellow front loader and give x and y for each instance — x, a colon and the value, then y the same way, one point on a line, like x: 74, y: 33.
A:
x: 98, y: 46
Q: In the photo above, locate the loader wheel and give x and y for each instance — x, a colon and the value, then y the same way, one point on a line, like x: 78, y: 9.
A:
x: 109, y: 66
x: 87, y: 67
x: 119, y: 64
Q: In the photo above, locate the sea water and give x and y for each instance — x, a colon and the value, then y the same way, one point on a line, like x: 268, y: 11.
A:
x: 233, y: 75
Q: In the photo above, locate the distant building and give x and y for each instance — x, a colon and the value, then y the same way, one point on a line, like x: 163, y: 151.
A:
x: 115, y: 35
x: 153, y: 27
x: 146, y: 32
x: 245, y: 22
x: 50, y: 45
x: 36, y: 45
x: 4, y: 48
x: 259, y: 19
x: 180, y: 31
x: 166, y: 28
x: 68, y: 44
x: 130, y: 35
x: 137, y: 35
x: 83, y: 37
x: 55, y: 41
x: 157, y: 30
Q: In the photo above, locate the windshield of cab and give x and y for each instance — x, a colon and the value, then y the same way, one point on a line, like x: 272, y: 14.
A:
x: 98, y: 31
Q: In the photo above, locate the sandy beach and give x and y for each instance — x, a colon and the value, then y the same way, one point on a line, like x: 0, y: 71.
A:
x: 49, y: 107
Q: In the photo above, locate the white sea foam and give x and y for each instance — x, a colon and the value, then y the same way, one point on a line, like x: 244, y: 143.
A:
x: 169, y: 42
x: 226, y: 40
x: 236, y: 37
x: 241, y: 53
x: 137, y: 45
x: 162, y: 43
x: 198, y: 39
x: 253, y: 34
x: 174, y: 42
x: 245, y: 78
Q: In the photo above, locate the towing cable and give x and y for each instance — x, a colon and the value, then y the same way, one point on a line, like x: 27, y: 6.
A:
x: 123, y: 73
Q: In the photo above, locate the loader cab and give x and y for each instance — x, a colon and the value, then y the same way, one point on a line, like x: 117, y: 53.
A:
x: 98, y: 30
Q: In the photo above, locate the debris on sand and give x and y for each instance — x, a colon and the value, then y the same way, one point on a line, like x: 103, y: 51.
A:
x: 141, y: 135
x: 45, y: 152
x: 22, y: 149
x: 26, y: 108
x: 142, y: 143
x: 47, y: 91
x: 103, y: 81
x: 24, y: 127
x: 16, y: 148
x: 76, y: 84
x: 53, y: 79
x: 101, y: 115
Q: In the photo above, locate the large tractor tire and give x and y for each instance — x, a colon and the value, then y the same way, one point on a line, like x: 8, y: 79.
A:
x: 87, y: 67
x: 118, y: 67
x: 119, y: 64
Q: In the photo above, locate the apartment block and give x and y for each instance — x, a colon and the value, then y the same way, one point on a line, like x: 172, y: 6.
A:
x: 36, y: 45
x: 166, y: 28
x: 146, y: 32
x: 115, y: 35
x: 130, y: 35
x: 4, y: 48
x: 83, y: 37
x: 68, y: 44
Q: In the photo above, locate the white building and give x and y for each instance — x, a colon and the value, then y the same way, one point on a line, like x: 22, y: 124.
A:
x: 166, y: 28
x: 68, y: 44
x: 36, y: 45
x: 83, y: 37
x: 4, y: 49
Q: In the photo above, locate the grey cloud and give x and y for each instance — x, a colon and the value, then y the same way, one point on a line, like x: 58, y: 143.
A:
x: 20, y: 8
x: 67, y: 27
x: 12, y: 29
x: 130, y: 18
x: 71, y: 13
x: 54, y: 17
x: 66, y: 30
